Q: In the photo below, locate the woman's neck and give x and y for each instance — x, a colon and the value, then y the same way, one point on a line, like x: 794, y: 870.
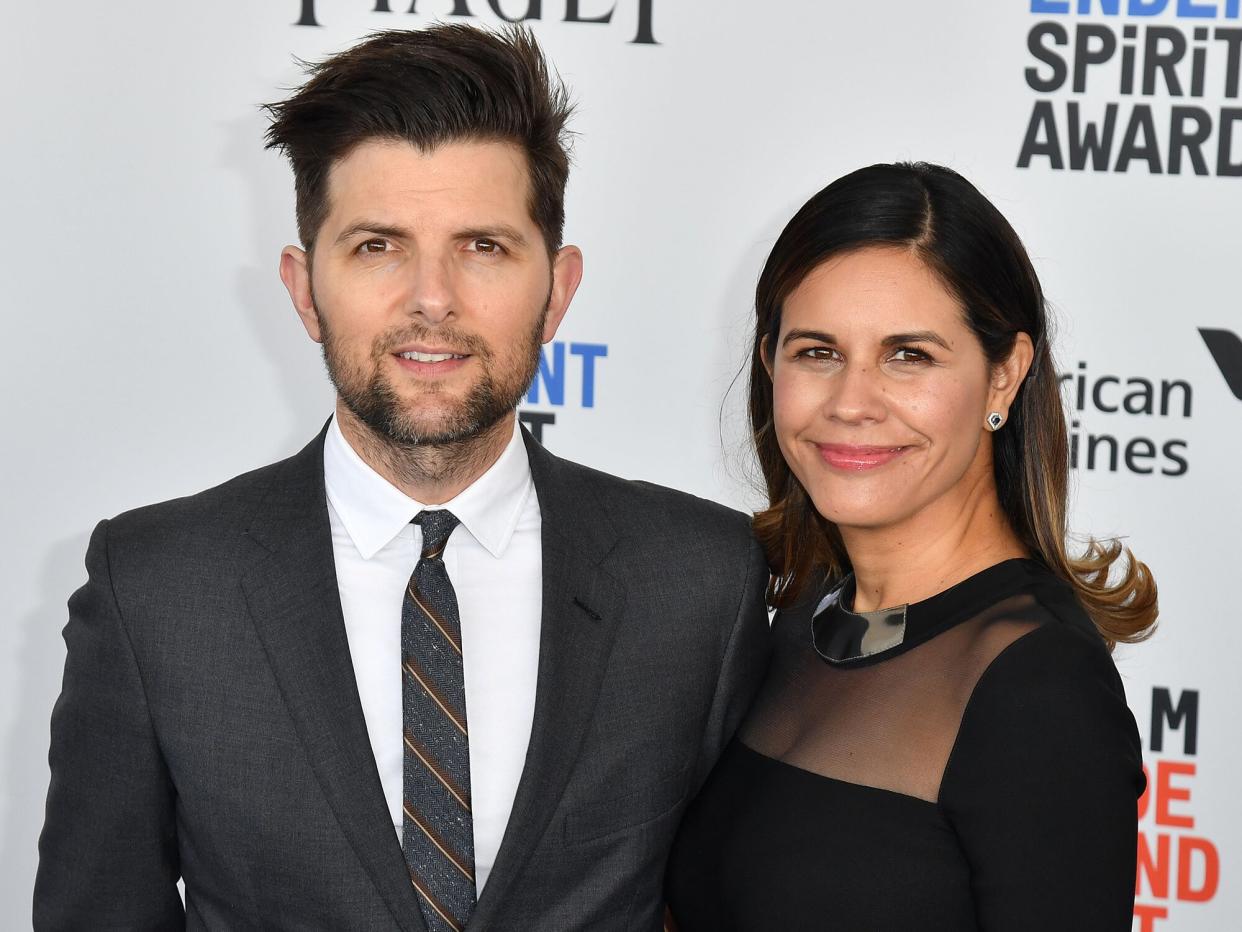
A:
x: 930, y: 552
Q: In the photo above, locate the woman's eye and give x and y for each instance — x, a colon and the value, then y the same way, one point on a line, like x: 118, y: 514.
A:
x: 906, y: 354
x: 817, y: 352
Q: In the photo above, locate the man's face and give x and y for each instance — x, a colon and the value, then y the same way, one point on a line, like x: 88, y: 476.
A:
x: 430, y: 287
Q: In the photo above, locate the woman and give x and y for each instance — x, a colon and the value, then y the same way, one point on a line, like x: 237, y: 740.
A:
x: 942, y: 741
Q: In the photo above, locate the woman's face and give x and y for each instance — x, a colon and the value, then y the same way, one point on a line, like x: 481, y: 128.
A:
x: 880, y: 393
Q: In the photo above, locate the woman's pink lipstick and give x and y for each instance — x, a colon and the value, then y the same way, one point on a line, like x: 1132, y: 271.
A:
x: 858, y: 458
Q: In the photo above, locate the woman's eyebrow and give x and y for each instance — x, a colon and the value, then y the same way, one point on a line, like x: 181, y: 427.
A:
x: 808, y: 335
x: 896, y: 339
x: 918, y: 336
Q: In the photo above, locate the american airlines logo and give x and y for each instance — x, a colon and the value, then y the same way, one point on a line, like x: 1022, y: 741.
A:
x: 1226, y: 349
x: 1134, y: 422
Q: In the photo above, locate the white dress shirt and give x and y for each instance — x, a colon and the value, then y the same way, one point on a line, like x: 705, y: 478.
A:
x: 495, y: 564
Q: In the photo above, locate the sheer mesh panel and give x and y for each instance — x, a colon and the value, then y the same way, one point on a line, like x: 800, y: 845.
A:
x: 890, y: 725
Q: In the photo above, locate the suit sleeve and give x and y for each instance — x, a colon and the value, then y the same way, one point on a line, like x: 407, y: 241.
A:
x: 1042, y: 787
x: 108, y: 853
x: 744, y: 663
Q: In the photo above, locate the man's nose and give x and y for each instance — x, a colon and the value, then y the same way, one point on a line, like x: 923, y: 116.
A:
x: 431, y: 287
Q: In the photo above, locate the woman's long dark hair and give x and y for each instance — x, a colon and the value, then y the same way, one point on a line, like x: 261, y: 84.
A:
x: 965, y: 240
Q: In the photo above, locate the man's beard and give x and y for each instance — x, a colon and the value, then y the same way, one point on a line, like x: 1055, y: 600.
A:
x: 371, y: 397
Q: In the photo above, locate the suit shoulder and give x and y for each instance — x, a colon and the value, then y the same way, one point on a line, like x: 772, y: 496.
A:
x: 657, y: 508
x: 705, y: 513
x: 220, y: 510
x: 207, y: 505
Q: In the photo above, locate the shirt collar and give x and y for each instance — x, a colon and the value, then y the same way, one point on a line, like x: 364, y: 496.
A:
x: 374, y: 511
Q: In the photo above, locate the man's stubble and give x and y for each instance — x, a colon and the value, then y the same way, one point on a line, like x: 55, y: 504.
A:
x: 456, y: 442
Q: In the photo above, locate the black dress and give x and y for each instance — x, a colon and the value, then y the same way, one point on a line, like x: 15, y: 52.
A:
x: 968, y: 763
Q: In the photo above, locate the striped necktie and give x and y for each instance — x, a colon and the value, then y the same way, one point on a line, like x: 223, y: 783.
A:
x: 437, y: 831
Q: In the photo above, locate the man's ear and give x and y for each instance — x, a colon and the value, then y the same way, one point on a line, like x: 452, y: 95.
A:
x: 566, y: 275
x: 295, y: 272
x: 1007, y: 377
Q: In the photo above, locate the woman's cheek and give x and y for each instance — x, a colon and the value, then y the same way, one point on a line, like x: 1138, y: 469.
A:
x: 795, y: 399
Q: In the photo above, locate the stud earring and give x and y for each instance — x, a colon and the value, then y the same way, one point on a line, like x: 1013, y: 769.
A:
x: 994, y: 420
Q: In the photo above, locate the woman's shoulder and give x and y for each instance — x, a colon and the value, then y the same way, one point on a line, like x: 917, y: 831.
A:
x: 1040, y: 633
x: 1054, y: 658
x: 1020, y: 615
x: 1041, y: 782
x: 1050, y: 692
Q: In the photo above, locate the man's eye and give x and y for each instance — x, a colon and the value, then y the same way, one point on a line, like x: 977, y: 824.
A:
x: 488, y: 247
x: 374, y: 247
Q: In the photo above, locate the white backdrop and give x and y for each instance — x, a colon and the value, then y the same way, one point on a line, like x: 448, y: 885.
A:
x: 151, y: 351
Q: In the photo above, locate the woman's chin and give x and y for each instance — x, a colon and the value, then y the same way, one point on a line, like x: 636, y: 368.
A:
x: 860, y: 518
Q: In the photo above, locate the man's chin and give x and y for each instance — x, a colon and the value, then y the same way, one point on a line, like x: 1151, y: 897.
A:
x: 398, y: 415
x: 438, y: 430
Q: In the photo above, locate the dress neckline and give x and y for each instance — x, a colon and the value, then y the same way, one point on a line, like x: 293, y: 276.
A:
x: 843, y: 637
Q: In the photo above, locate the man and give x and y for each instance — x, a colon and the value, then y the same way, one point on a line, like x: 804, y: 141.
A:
x: 423, y: 674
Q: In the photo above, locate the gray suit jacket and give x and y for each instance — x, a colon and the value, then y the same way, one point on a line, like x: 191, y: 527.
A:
x: 209, y: 725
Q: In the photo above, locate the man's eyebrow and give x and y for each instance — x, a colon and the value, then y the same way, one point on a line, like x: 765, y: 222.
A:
x: 375, y: 229
x: 488, y: 231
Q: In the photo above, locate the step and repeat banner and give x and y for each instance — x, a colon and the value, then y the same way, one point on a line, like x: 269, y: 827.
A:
x: 151, y: 350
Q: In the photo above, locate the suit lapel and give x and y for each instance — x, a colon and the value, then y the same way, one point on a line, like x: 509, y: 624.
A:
x: 293, y: 599
x: 582, y: 605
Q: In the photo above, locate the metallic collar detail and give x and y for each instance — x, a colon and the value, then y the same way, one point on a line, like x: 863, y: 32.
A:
x: 842, y: 636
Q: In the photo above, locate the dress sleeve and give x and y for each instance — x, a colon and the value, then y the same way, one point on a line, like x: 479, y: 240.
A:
x: 1042, y: 787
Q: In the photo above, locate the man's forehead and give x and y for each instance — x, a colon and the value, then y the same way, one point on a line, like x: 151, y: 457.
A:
x: 394, y: 171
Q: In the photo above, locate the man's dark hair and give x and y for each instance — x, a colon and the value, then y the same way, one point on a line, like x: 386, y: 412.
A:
x: 447, y: 83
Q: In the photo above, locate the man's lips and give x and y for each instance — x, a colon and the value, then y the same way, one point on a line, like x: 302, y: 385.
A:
x: 858, y: 458
x: 428, y: 352
x: 429, y: 360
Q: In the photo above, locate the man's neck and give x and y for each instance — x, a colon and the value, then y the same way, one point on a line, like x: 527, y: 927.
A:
x: 430, y: 474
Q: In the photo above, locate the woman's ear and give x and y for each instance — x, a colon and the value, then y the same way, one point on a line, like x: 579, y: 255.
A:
x: 1008, y: 375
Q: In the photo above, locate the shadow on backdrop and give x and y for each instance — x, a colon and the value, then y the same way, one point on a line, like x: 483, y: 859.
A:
x: 40, y: 649
x: 295, y: 360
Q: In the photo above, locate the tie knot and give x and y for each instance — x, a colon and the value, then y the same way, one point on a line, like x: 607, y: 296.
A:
x: 437, y: 526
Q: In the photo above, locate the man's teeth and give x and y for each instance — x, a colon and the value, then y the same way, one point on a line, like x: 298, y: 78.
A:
x: 430, y: 357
